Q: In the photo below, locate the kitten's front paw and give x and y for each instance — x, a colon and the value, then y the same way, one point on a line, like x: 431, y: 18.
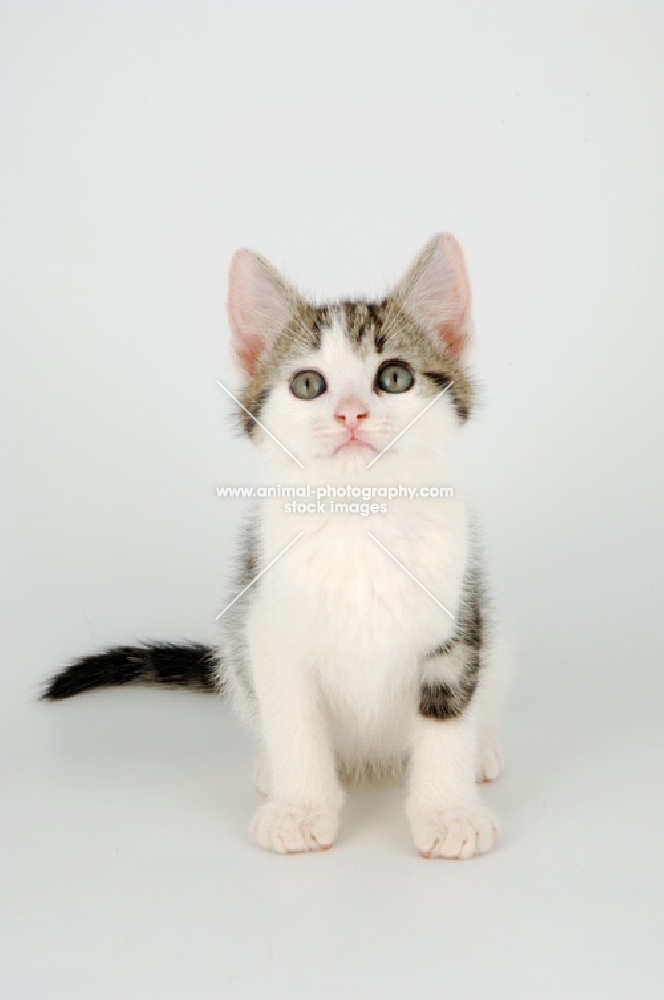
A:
x: 293, y: 829
x: 454, y: 833
x: 490, y: 760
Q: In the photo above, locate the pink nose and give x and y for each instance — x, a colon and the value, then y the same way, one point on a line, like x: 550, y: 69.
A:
x: 350, y: 411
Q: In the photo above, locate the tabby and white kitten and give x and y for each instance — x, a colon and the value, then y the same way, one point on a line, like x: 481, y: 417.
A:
x: 367, y: 645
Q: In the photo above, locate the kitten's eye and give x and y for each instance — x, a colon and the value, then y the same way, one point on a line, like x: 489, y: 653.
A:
x: 308, y: 385
x: 394, y: 377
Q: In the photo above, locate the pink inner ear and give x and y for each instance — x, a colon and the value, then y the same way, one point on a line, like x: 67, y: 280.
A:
x: 248, y: 352
x: 258, y: 307
x: 455, y: 338
x: 436, y: 292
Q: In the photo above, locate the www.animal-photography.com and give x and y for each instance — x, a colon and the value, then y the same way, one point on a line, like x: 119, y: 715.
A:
x: 333, y: 544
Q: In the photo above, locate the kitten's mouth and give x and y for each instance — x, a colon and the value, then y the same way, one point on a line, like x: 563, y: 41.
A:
x: 352, y: 444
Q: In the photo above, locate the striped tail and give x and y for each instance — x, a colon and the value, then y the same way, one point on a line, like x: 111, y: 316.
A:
x: 189, y: 665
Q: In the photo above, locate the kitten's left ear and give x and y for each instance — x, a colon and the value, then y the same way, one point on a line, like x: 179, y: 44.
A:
x: 259, y: 305
x: 436, y: 292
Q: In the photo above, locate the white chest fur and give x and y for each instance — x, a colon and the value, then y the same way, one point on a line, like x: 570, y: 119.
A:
x: 349, y: 613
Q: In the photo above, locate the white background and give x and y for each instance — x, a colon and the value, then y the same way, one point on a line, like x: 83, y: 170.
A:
x: 142, y: 142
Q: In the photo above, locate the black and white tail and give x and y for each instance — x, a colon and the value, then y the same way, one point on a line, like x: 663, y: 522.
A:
x: 190, y: 665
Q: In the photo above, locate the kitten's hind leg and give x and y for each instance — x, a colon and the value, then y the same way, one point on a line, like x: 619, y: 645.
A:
x: 261, y: 773
x: 489, y: 697
x: 490, y: 757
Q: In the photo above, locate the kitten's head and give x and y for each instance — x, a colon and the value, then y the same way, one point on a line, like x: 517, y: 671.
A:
x: 337, y: 383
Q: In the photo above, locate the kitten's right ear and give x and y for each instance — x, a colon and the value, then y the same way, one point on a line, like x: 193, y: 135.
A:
x: 437, y: 294
x: 259, y: 304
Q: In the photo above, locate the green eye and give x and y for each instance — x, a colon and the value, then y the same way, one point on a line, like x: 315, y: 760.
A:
x: 394, y: 377
x: 308, y: 385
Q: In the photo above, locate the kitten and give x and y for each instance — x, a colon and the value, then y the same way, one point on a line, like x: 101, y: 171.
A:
x: 367, y: 645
